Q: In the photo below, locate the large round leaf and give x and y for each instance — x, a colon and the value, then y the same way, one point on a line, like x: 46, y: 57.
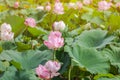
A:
x: 9, y: 74
x: 88, y: 58
x: 12, y: 74
x: 26, y: 75
x: 113, y: 55
x: 26, y: 60
x: 93, y: 38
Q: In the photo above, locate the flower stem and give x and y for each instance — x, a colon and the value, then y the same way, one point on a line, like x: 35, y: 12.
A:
x: 69, y: 73
x: 54, y: 55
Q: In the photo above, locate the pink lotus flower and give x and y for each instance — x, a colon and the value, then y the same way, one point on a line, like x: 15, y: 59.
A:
x: 103, y: 5
x: 49, y: 70
x: 6, y: 36
x: 58, y: 26
x: 79, y: 5
x: 16, y: 4
x: 55, y: 34
x: 42, y: 72
x: 48, y: 7
x: 30, y: 22
x: 58, y: 8
x: 5, y: 27
x: 87, y: 2
x: 6, y: 33
x: 55, y: 40
x: 118, y: 5
x: 53, y: 66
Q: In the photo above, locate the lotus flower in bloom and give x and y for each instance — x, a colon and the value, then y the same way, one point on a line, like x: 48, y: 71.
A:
x: 49, y: 70
x: 103, y: 5
x: 58, y: 8
x: 42, y: 72
x: 52, y: 66
x: 55, y: 40
x: 6, y: 33
x: 48, y: 7
x: 87, y: 2
x: 30, y: 22
x: 79, y: 5
x: 118, y: 5
x: 59, y: 26
x: 5, y: 27
x: 16, y: 4
x: 6, y: 36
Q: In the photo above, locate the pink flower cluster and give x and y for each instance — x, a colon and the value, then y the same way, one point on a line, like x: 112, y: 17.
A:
x: 58, y: 8
x: 30, y: 22
x: 49, y: 70
x: 103, y: 5
x: 58, y: 26
x: 6, y: 33
x: 55, y: 40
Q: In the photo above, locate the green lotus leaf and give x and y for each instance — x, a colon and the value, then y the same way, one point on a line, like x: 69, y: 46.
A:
x: 93, y: 38
x: 88, y: 59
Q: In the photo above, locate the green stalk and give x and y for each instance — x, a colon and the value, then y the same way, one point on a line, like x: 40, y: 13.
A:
x: 69, y: 73
x: 54, y: 55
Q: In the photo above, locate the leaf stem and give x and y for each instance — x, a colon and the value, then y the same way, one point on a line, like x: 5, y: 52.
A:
x: 69, y: 73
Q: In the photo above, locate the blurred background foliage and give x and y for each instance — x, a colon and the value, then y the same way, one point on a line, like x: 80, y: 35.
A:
x: 77, y: 18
